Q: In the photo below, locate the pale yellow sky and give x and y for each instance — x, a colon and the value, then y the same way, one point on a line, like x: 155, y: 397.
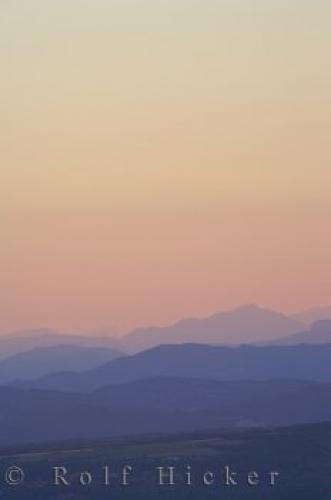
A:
x: 162, y: 159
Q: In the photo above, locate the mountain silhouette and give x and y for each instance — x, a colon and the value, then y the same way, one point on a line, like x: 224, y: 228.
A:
x: 26, y: 340
x: 46, y: 360
x: 301, y: 362
x: 312, y: 315
x: 320, y: 333
x: 245, y: 324
x: 160, y: 405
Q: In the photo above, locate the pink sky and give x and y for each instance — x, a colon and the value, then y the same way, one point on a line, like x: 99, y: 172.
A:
x: 162, y: 160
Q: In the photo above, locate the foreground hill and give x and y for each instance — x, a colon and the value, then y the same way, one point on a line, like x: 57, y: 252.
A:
x: 301, y: 362
x: 245, y: 324
x: 47, y: 360
x: 301, y: 455
x: 157, y: 406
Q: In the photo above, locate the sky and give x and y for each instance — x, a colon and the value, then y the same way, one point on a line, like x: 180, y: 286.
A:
x: 162, y: 159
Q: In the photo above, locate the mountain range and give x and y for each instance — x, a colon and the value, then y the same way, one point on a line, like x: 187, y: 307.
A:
x: 158, y: 405
x: 273, y: 371
x: 43, y: 361
x: 18, y: 342
x: 319, y: 333
x: 246, y: 324
x: 195, y: 361
x: 243, y: 325
x: 35, y: 354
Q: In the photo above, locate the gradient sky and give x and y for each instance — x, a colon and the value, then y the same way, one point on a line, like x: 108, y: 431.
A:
x: 162, y: 159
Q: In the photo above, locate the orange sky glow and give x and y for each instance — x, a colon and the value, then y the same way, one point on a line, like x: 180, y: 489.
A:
x: 162, y: 160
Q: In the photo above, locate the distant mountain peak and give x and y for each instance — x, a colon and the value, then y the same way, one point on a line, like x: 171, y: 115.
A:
x: 248, y: 307
x: 251, y: 310
x: 244, y: 324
